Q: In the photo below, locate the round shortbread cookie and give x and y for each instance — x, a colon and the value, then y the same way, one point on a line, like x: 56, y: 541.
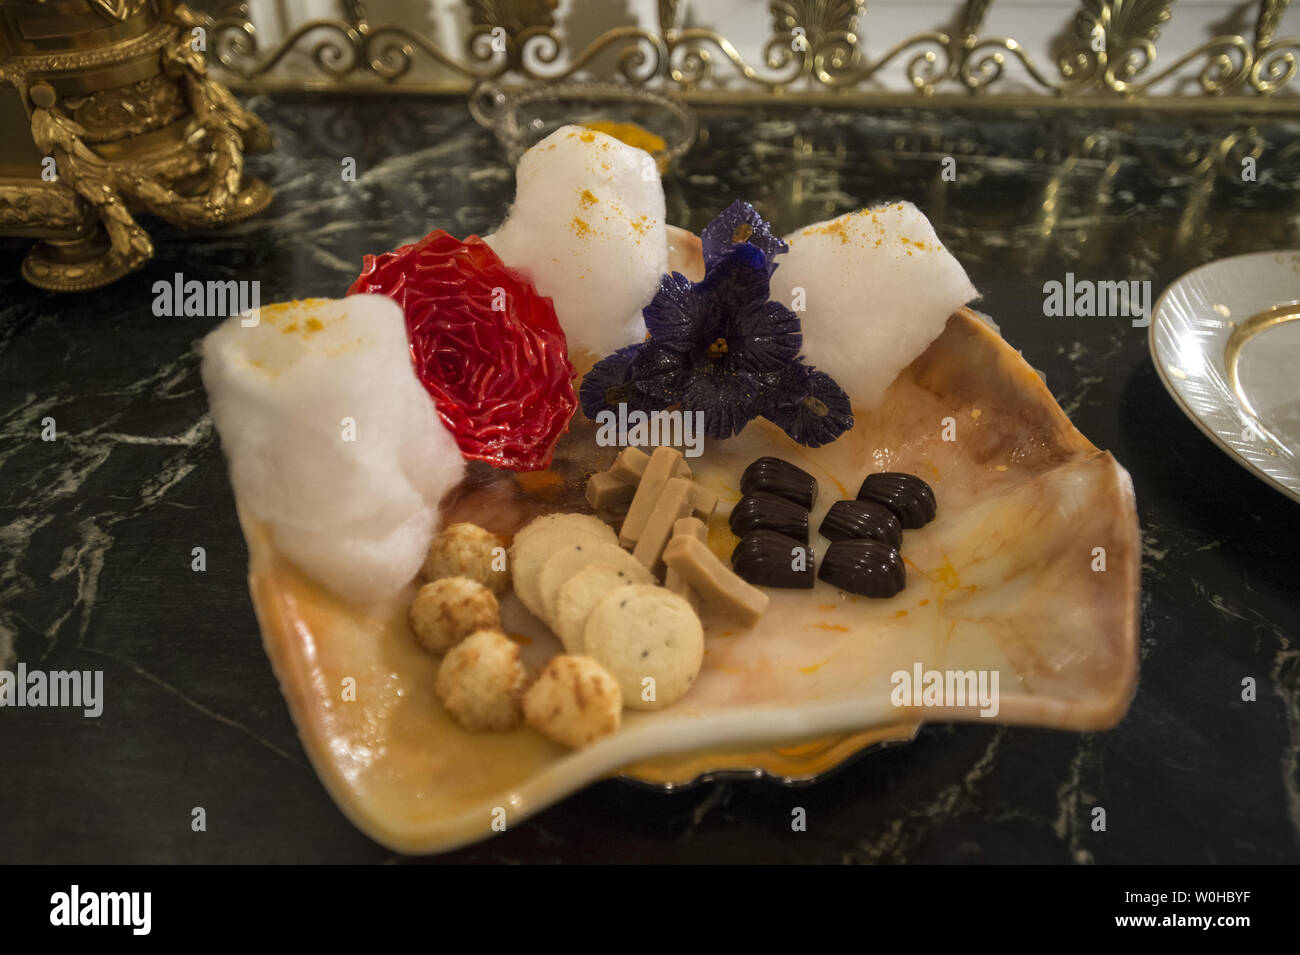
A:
x: 572, y: 520
x: 571, y: 558
x: 579, y: 593
x: 543, y: 537
x: 646, y: 631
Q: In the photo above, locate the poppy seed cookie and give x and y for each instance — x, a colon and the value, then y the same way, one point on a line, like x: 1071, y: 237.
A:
x: 568, y: 560
x: 642, y: 633
x: 540, y: 539
x: 578, y: 596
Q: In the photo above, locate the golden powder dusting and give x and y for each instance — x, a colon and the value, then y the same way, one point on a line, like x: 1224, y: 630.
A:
x: 586, y: 198
x: 835, y: 228
x: 630, y: 133
x: 587, y: 137
x: 300, y: 314
x: 580, y: 227
x: 742, y: 233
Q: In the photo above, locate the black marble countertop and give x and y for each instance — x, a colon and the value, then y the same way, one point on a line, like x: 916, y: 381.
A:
x: 97, y: 526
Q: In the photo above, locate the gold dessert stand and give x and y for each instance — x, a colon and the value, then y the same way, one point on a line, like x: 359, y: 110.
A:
x: 106, y: 111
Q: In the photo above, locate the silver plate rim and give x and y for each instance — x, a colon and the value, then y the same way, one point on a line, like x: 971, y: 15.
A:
x: 1250, y: 454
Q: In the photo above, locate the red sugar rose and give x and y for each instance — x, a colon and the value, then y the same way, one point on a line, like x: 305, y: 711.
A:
x: 486, y: 345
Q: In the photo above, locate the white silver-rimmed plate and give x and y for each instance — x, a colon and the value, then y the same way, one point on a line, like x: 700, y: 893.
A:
x: 1225, y: 339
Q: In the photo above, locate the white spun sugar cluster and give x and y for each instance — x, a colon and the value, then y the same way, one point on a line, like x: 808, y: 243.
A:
x: 587, y: 228
x: 878, y: 287
x: 356, y: 515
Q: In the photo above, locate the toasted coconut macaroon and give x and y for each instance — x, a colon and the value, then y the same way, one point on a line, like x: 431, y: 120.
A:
x: 447, y: 611
x: 574, y: 701
x: 467, y: 550
x: 481, y: 681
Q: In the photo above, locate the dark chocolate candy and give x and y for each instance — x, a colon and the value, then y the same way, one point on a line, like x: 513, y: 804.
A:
x: 763, y: 511
x: 849, y: 519
x: 863, y: 566
x: 782, y: 478
x: 905, y: 494
x: 768, y: 559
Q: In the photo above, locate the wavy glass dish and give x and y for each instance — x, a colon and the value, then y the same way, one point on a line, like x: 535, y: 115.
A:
x: 1003, y: 579
x: 519, y: 118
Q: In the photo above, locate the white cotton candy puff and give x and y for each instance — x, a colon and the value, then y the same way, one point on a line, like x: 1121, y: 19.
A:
x: 587, y: 228
x: 331, y: 438
x: 876, y: 288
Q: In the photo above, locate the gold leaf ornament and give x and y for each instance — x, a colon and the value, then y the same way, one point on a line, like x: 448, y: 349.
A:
x: 118, y: 10
x: 817, y: 19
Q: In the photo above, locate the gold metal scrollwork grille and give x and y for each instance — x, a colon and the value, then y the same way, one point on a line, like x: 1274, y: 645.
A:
x: 813, y: 45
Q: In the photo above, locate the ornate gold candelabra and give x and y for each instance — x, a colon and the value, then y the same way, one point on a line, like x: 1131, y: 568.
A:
x: 107, y: 110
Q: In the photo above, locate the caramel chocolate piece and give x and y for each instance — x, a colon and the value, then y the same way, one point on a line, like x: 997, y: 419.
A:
x: 769, y: 559
x: 705, y: 503
x: 658, y: 470
x: 905, y: 494
x: 848, y: 519
x: 864, y: 566
x: 777, y: 476
x: 614, y: 515
x: 763, y: 511
x: 675, y: 502
x: 686, y: 527
x: 629, y: 467
x: 715, y: 583
x: 605, y: 490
